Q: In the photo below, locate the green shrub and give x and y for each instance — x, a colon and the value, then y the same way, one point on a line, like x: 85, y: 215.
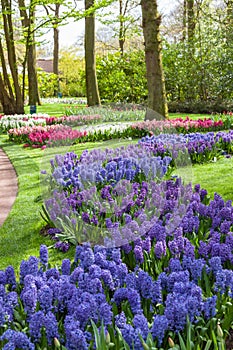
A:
x: 47, y: 83
x: 122, y: 78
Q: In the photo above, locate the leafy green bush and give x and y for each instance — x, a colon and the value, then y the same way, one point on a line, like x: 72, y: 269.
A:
x: 122, y: 78
x: 47, y: 83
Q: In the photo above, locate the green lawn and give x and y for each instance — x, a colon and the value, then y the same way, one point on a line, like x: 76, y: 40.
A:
x: 49, y: 108
x: 214, y: 176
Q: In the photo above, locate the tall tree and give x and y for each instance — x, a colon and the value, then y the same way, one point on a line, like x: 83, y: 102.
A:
x: 155, y: 78
x: 11, y: 98
x: 190, y: 19
x: 28, y: 19
x: 55, y: 22
x: 92, y: 91
x: 229, y: 22
x: 6, y: 92
x: 184, y: 20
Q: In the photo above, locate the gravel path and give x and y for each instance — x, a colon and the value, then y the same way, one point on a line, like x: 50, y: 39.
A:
x: 8, y: 186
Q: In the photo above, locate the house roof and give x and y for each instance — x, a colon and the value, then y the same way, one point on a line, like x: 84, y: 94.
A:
x: 46, y: 64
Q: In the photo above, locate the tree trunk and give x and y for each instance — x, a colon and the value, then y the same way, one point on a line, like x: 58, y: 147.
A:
x: 8, y: 104
x: 184, y: 21
x: 56, y: 47
x: 121, y: 30
x: 155, y: 78
x: 30, y: 53
x: 33, y: 92
x: 229, y: 23
x: 191, y: 20
x: 18, y: 104
x: 92, y: 91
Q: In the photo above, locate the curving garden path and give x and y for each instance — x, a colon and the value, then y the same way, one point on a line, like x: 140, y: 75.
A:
x: 8, y: 186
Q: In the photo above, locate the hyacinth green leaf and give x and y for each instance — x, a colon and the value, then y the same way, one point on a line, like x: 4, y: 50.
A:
x: 208, y: 344
x: 98, y: 341
x: 182, y: 344
x: 227, y: 322
x: 214, y: 340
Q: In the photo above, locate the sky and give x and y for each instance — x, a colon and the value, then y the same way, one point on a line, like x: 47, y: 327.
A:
x: 69, y: 33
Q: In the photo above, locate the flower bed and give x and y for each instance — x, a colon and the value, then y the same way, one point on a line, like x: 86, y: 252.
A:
x: 42, y: 136
x: 177, y: 287
x: 180, y: 125
x: 164, y: 278
x: 201, y: 147
x: 226, y: 118
x: 88, y: 187
x: 17, y: 121
x: 27, y: 120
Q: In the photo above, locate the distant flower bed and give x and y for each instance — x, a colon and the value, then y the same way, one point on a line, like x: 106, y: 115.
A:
x: 226, y: 118
x: 180, y: 125
x: 75, y: 120
x: 65, y: 100
x: 17, y: 121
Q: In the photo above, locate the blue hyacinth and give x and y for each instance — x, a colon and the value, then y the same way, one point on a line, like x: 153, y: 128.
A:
x: 16, y: 340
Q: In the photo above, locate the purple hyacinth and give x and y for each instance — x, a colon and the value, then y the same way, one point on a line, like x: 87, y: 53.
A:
x: 35, y: 325
x: 175, y: 265
x: 145, y: 284
x: 160, y: 249
x: 51, y: 327
x: 105, y: 313
x: 2, y: 277
x: 29, y: 299
x: 220, y: 283
x: 44, y: 255
x: 75, y: 337
x: 52, y: 273
x: 62, y: 246
x: 120, y: 320
x: 210, y: 307
x: 215, y: 264
x: 138, y: 252
x: 159, y: 328
x: 16, y: 340
x: 10, y: 276
x: 141, y: 324
x: 107, y: 279
x: 87, y: 258
x: 65, y: 267
x: 45, y: 298
x: 131, y: 337
x: 185, y: 300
